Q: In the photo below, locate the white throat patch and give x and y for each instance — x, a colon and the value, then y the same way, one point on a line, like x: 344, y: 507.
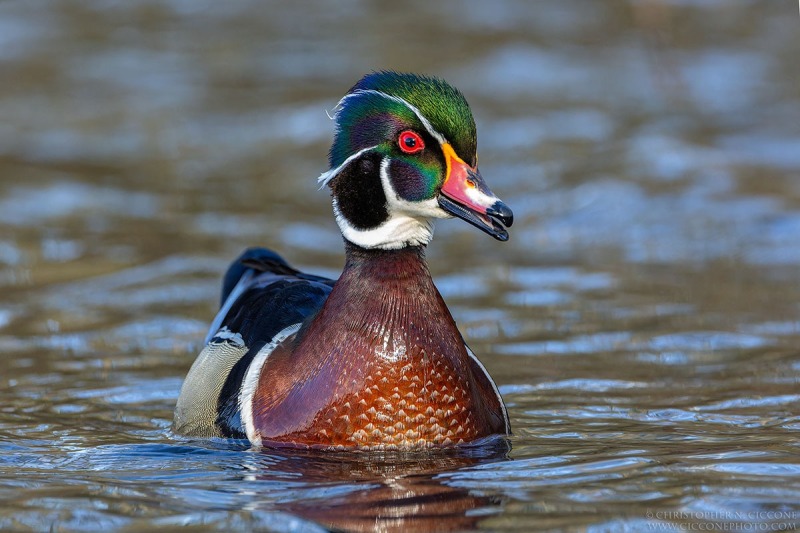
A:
x: 408, y: 224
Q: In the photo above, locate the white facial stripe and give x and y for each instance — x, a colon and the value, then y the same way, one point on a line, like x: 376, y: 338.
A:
x: 326, y: 177
x: 436, y: 135
x: 250, y: 383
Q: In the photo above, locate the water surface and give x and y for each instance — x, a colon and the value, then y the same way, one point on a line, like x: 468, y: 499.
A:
x: 643, y: 322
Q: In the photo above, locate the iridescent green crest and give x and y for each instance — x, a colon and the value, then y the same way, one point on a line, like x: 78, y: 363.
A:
x: 366, y: 117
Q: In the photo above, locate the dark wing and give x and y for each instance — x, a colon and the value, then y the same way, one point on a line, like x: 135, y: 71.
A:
x: 261, y: 260
x: 262, y: 296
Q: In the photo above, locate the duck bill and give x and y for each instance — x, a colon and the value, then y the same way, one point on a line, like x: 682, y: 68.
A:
x: 466, y: 196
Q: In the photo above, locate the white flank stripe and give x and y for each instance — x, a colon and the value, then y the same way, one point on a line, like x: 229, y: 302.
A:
x: 250, y: 382
x: 496, y: 391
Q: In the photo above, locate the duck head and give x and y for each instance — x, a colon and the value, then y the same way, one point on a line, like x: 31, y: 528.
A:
x: 404, y: 154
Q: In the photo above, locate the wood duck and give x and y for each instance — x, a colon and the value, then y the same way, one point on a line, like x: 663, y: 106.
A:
x: 373, y: 360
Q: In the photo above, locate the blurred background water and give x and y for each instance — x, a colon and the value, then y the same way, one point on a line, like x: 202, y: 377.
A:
x: 643, y: 322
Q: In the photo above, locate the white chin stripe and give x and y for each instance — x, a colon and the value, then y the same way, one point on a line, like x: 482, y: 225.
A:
x: 408, y: 224
x: 250, y: 382
x: 398, y: 231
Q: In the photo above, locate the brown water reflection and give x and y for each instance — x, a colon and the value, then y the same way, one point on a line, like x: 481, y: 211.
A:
x: 391, y: 492
x: 643, y: 322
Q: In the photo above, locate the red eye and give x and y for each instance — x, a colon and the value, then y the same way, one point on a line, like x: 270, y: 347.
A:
x: 410, y: 142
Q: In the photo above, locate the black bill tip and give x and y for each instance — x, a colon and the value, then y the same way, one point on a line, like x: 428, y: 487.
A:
x: 502, y: 212
x: 491, y: 223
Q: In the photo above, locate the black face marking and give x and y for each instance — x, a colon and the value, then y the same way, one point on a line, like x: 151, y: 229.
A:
x: 359, y: 192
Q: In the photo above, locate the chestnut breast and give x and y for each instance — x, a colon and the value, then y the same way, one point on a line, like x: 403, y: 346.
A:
x: 381, y: 366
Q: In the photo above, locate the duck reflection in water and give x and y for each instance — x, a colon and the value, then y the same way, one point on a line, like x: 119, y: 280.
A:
x: 382, y: 491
